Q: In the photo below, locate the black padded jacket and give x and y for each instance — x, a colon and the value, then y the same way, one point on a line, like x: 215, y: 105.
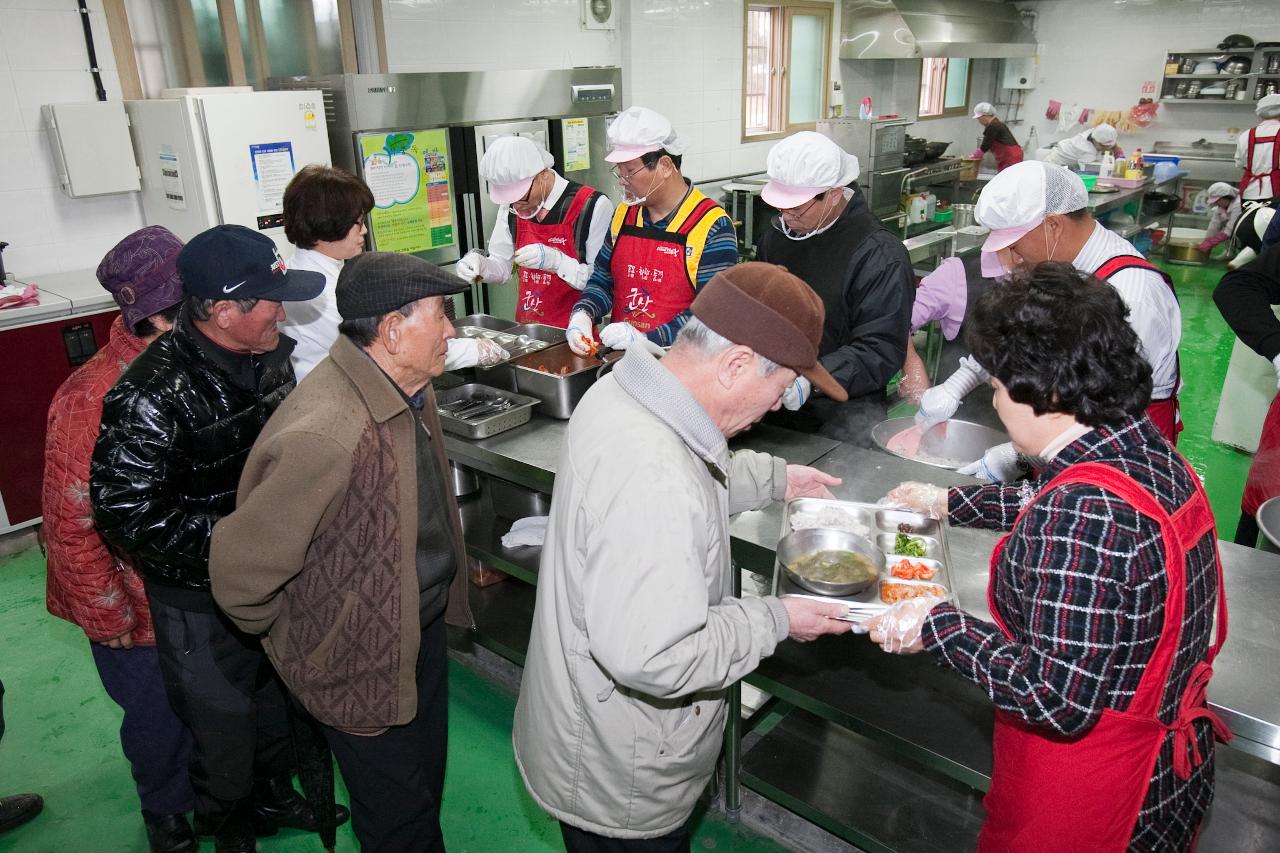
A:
x: 176, y: 430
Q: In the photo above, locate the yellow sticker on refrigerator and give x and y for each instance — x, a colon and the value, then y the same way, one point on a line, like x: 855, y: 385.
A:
x: 408, y: 173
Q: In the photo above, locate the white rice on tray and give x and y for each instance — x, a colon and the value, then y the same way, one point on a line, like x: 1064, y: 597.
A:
x: 829, y: 518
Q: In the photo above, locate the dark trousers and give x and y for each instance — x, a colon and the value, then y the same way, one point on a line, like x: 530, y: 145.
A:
x: 154, y: 740
x: 396, y: 779
x: 220, y: 684
x: 580, y: 841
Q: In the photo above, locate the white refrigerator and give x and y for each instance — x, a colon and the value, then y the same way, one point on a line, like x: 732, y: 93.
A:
x: 224, y: 156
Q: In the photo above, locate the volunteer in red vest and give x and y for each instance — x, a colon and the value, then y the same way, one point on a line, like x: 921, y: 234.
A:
x: 996, y: 138
x: 666, y: 240
x: 1258, y: 153
x: 1245, y: 297
x: 549, y: 226
x: 1103, y: 595
x: 1039, y: 212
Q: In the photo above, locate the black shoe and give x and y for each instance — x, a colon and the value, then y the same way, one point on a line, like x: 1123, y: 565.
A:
x: 277, y: 804
x: 235, y: 835
x: 169, y: 833
x: 18, y: 809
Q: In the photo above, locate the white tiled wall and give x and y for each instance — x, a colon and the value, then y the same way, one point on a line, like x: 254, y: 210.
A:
x: 43, y: 60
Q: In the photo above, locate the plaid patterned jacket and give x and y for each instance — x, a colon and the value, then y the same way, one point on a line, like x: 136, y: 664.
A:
x: 1083, y: 589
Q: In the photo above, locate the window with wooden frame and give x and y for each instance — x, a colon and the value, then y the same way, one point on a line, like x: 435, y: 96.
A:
x: 786, y: 56
x: 944, y: 88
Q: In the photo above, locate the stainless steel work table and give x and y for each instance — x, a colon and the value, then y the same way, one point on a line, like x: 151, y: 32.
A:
x: 893, y: 753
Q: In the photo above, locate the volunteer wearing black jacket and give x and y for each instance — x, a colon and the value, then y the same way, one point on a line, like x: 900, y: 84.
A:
x: 1245, y: 297
x: 825, y: 234
x: 176, y: 430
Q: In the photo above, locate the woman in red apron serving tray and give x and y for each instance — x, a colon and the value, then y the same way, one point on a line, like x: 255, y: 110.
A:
x: 1103, y: 594
x: 666, y: 240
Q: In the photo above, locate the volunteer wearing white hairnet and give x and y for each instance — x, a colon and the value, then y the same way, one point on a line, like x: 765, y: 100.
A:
x: 666, y: 240
x: 550, y: 226
x: 826, y: 235
x: 1085, y: 147
x: 996, y: 138
x: 1039, y: 212
x: 1224, y: 212
x: 1258, y: 153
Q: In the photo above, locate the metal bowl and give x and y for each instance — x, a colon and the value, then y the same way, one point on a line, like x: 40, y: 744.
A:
x: 950, y: 444
x: 800, y: 543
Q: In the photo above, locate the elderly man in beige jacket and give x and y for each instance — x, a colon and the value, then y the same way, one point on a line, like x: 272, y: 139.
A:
x: 635, y: 634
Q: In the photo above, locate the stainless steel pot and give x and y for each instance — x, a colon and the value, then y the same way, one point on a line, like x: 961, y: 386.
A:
x: 961, y: 216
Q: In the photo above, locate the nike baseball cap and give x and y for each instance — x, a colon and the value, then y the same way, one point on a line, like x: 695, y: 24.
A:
x: 234, y: 262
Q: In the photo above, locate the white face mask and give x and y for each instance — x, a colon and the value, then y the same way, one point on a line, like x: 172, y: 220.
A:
x: 520, y: 215
x: 781, y: 224
x: 630, y: 198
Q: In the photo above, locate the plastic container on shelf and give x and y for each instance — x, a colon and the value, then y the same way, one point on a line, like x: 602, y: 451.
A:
x: 1106, y: 167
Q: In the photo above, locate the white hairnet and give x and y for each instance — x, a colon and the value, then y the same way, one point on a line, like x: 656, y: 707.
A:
x: 1104, y: 134
x: 511, y: 159
x: 803, y: 165
x: 640, y: 130
x: 1269, y: 107
x: 1218, y: 190
x: 983, y: 109
x: 1020, y: 197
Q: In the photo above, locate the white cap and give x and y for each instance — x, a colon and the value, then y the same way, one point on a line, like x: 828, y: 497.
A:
x: 1269, y: 107
x: 1019, y: 198
x: 1104, y: 134
x: 804, y: 165
x: 510, y: 165
x: 983, y: 109
x: 640, y: 130
x: 1219, y: 190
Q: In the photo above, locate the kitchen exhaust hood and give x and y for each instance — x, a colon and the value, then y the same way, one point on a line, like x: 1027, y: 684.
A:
x: 910, y: 29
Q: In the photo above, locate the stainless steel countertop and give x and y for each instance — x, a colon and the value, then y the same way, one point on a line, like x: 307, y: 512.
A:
x: 1246, y: 687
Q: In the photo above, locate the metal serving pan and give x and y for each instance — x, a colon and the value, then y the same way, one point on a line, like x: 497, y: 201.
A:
x: 463, y: 411
x: 950, y: 444
x: 558, y: 377
x: 881, y: 526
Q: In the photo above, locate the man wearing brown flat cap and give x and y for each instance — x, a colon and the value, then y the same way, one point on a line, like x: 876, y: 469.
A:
x: 635, y: 634
x: 345, y: 547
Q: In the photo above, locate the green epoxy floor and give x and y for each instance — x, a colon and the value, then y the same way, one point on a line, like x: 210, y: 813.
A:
x: 62, y: 741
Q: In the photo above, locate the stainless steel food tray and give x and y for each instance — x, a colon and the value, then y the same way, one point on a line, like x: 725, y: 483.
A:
x: 486, y: 424
x: 882, y: 526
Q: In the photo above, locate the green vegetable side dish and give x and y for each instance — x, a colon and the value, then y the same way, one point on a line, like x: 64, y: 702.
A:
x: 909, y: 546
x: 838, y: 567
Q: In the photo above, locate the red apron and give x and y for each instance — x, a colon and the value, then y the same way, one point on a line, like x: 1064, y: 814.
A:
x: 1163, y: 414
x: 1263, y: 481
x: 1273, y: 176
x: 651, y: 282
x: 1006, y: 155
x: 1051, y: 794
x: 544, y: 296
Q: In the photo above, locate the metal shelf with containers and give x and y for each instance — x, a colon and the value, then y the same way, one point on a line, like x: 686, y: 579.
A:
x: 1237, y: 76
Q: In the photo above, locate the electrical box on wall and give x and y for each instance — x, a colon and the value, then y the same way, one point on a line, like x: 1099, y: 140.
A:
x: 92, y: 150
x: 1020, y: 73
x: 599, y: 14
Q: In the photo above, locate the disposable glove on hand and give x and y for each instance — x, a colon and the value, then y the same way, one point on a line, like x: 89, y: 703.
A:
x: 898, y: 629
x: 924, y: 498
x: 1276, y: 363
x: 468, y: 352
x: 939, y: 403
x: 999, y: 464
x: 579, y: 333
x: 977, y: 154
x: 541, y: 257
x: 797, y: 393
x: 620, y: 336
x: 473, y: 266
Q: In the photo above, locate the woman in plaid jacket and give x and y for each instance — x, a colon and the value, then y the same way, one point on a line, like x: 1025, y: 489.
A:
x: 1103, y: 593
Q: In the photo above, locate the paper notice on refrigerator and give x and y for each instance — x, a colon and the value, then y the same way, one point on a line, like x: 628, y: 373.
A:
x: 272, y: 171
x: 171, y: 179
x: 408, y: 173
x: 577, y: 144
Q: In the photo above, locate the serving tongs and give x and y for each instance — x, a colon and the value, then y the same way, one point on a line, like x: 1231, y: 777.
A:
x: 474, y: 407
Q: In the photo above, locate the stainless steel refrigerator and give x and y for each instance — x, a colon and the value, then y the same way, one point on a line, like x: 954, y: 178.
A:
x: 416, y: 139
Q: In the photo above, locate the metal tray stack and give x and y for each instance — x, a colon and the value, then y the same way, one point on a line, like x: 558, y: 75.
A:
x: 881, y: 526
x: 478, y: 411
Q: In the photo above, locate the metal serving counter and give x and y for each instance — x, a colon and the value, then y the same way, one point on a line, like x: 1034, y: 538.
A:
x: 893, y: 753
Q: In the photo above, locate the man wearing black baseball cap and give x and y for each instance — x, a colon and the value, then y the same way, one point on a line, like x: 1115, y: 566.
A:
x: 346, y: 548
x: 176, y: 429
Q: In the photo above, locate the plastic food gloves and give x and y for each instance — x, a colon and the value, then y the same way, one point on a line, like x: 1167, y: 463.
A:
x: 915, y: 376
x: 468, y: 352
x: 940, y: 402
x: 1276, y: 363
x: 619, y: 335
x: 579, y: 333
x: 924, y: 498
x: 797, y: 393
x: 540, y: 257
x: 473, y: 266
x: 977, y: 154
x: 999, y: 464
x: 898, y: 629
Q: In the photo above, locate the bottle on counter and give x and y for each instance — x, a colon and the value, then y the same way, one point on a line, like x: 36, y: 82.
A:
x: 1137, y: 159
x: 1107, y: 166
